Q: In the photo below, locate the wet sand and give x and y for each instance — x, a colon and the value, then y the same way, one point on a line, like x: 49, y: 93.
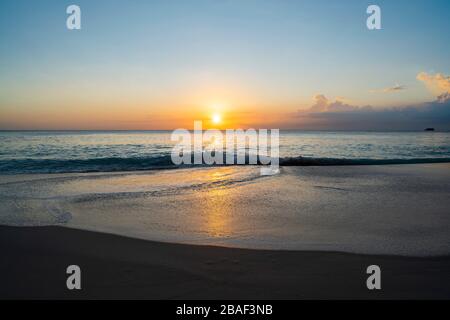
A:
x: 34, y: 260
x: 391, y: 209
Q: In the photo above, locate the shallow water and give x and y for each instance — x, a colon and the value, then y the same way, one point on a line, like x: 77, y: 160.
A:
x: 400, y: 209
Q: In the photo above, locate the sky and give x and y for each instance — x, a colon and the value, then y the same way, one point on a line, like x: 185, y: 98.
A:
x: 158, y: 64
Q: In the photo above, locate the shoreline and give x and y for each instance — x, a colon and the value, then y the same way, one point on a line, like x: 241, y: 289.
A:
x: 116, y: 267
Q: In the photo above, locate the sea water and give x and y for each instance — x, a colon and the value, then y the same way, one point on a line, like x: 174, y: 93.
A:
x: 90, y: 151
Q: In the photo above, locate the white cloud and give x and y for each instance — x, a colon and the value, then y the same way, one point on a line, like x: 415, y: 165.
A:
x: 437, y: 83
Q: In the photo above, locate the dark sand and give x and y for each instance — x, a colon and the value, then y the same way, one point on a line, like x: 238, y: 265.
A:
x: 34, y: 260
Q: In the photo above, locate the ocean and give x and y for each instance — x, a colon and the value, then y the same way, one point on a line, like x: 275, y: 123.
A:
x: 103, y: 151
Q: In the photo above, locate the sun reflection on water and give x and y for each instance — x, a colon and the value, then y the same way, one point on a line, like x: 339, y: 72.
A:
x: 217, y: 205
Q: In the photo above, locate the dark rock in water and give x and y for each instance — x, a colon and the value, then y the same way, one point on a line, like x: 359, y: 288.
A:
x: 429, y: 129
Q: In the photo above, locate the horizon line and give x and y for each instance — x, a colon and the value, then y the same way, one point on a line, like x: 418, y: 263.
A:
x: 169, y: 130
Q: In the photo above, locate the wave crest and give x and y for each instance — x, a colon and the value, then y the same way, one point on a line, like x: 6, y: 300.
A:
x: 165, y: 162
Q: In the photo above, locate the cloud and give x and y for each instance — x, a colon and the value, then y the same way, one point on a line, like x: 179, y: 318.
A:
x: 437, y: 83
x: 322, y: 104
x: 395, y: 88
x: 444, y: 98
x: 336, y: 115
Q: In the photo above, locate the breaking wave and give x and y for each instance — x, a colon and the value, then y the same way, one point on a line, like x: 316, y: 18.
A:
x: 112, y: 164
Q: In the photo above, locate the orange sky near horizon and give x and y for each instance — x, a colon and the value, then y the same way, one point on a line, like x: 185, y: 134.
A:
x: 164, y: 64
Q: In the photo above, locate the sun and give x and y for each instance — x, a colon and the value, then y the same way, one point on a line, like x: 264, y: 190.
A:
x: 216, y: 118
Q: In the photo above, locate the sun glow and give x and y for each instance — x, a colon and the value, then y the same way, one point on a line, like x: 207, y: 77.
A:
x: 216, y: 118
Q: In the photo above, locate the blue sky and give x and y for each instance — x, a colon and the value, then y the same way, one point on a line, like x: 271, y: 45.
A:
x: 159, y: 56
